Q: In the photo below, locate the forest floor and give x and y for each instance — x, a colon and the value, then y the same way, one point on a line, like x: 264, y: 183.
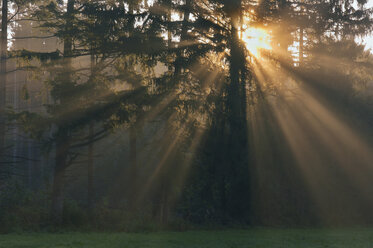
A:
x: 256, y: 238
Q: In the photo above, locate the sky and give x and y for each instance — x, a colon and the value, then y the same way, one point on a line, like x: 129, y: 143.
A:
x: 368, y: 41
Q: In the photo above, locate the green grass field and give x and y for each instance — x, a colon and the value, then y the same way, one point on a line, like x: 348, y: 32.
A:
x: 256, y: 238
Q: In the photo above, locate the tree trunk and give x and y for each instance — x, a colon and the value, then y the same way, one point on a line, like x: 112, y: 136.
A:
x: 164, y: 205
x: 62, y: 147
x: 169, y: 33
x: 184, y: 31
x: 236, y: 158
x: 63, y: 139
x: 237, y: 62
x: 132, y: 182
x: 3, y: 69
x: 90, y: 165
x: 58, y: 196
x: 133, y: 167
x: 301, y: 46
x: 90, y: 169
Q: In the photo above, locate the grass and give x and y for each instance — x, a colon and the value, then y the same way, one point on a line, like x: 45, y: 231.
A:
x: 256, y: 238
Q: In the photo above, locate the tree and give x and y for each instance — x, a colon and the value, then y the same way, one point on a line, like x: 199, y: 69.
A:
x: 73, y: 109
x: 6, y: 19
x: 3, y: 69
x: 208, y: 85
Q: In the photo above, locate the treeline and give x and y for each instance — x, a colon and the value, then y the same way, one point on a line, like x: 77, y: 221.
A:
x: 158, y: 112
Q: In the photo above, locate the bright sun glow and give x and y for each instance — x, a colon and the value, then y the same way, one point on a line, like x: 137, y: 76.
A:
x: 256, y: 39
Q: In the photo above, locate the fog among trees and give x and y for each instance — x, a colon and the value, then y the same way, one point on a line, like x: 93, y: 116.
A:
x: 150, y: 114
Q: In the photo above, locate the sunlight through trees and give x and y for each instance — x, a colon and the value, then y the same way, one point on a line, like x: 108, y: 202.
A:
x: 223, y: 112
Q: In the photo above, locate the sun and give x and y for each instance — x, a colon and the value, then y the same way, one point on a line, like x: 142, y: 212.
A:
x: 256, y: 39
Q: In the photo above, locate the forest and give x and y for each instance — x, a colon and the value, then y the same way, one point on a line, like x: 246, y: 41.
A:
x: 176, y: 115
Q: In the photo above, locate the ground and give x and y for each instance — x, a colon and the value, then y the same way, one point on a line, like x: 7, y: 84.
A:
x: 256, y: 238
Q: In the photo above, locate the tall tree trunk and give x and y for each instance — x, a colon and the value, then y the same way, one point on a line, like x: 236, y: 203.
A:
x: 236, y: 160
x: 3, y: 69
x: 169, y: 32
x: 237, y: 62
x: 184, y: 32
x: 133, y: 166
x: 285, y: 32
x: 163, y: 199
x: 233, y: 148
x: 164, y: 204
x: 63, y: 139
x: 301, y: 45
x: 62, y: 148
x: 90, y: 165
x: 131, y: 11
x: 301, y: 35
x: 132, y: 182
x: 90, y: 169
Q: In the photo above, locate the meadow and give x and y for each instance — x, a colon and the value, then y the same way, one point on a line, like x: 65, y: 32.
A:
x: 258, y: 238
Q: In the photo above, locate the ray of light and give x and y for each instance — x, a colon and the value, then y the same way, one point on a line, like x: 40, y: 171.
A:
x: 173, y: 138
x: 326, y: 150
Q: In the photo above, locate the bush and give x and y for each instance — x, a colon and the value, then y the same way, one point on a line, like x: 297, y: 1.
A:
x: 22, y: 209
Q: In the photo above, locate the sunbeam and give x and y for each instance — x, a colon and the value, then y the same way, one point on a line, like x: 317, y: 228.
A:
x: 320, y: 141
